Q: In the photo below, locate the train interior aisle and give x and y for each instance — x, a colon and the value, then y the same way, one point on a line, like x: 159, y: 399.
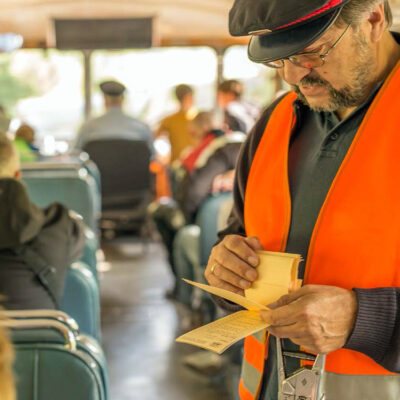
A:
x: 139, y: 325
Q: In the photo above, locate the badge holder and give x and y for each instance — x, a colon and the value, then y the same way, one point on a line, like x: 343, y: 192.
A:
x: 304, y: 383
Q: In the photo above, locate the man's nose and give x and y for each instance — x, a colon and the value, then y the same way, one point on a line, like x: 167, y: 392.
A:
x: 293, y: 74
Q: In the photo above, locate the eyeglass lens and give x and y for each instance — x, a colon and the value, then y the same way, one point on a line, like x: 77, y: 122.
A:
x: 301, y: 60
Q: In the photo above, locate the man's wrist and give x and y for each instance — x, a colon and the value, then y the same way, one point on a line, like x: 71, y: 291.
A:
x: 374, y: 322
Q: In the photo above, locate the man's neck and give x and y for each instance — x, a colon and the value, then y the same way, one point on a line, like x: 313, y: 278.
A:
x: 388, y: 54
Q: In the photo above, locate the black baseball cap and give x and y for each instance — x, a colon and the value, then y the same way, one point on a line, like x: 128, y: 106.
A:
x: 281, y: 28
x: 112, y: 88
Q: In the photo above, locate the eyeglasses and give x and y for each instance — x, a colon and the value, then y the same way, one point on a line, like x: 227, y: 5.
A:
x: 306, y: 60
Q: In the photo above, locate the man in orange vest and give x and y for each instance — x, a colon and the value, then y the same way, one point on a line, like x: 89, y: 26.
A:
x: 318, y: 175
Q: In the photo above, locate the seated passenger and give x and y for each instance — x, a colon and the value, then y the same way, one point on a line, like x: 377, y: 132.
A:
x: 24, y: 139
x: 7, y: 390
x: 203, y: 168
x: 36, y: 245
x: 176, y: 126
x: 114, y: 124
x: 209, y: 166
x: 240, y: 115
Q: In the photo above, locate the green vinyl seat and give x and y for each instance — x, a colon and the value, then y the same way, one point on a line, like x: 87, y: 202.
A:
x: 66, y: 162
x: 75, y: 189
x: 210, y: 222
x: 81, y: 299
x: 211, y: 218
x: 89, y: 256
x: 54, y: 362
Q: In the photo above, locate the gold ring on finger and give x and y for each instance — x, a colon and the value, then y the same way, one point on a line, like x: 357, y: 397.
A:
x: 213, y: 268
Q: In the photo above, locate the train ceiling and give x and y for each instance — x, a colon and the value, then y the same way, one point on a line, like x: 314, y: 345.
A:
x: 177, y: 22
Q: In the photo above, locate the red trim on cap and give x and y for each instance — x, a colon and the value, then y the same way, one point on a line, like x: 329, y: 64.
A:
x: 326, y: 7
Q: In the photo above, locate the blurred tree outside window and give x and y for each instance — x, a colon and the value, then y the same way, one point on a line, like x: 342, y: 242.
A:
x: 44, y: 88
x: 13, y: 88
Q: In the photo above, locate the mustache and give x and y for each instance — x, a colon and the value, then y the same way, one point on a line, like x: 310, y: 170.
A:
x: 313, y: 81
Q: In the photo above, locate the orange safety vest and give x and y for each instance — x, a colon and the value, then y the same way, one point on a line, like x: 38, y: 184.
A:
x: 356, y: 239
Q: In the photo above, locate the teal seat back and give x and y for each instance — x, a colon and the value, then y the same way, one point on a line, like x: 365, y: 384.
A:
x: 71, y: 162
x: 48, y: 367
x: 208, y: 220
x: 89, y: 252
x: 81, y: 299
x: 77, y: 190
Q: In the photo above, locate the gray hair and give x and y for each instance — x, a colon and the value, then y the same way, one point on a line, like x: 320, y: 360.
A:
x: 354, y: 11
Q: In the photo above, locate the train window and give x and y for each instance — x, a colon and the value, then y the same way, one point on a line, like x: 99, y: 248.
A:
x: 258, y: 80
x: 151, y: 75
x: 43, y: 89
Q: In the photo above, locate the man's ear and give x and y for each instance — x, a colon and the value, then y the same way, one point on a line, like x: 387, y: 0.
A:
x: 377, y: 23
x: 18, y: 175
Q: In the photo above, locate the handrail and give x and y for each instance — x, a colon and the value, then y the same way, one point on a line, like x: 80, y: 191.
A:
x: 42, y: 314
x: 17, y: 324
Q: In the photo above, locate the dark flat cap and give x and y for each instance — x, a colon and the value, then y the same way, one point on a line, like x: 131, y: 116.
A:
x: 281, y: 28
x: 112, y: 88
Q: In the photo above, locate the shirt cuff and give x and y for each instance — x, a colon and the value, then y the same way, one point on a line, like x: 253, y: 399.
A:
x: 375, y: 322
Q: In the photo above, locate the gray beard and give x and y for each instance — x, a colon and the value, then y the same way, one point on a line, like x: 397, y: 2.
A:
x: 351, y: 95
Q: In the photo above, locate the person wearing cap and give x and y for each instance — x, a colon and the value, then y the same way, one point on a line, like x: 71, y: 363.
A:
x: 239, y: 115
x: 318, y: 176
x: 115, y: 123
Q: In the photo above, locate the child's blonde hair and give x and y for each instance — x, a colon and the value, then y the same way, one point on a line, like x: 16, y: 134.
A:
x: 7, y: 389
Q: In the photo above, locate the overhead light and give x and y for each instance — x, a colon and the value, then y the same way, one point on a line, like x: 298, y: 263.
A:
x: 10, y: 42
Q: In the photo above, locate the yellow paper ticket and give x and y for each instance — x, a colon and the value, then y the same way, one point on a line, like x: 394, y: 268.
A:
x: 223, y: 333
x: 226, y: 294
x: 277, y: 274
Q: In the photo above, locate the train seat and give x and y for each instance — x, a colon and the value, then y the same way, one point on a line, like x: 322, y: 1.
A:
x: 76, y: 189
x: 211, y: 220
x: 54, y: 362
x: 81, y: 299
x: 89, y: 256
x: 66, y: 162
x: 125, y: 181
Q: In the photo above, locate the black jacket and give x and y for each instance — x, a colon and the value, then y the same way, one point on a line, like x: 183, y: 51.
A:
x: 54, y: 235
x: 195, y: 187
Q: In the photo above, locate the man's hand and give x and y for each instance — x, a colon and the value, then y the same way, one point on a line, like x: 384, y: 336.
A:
x: 318, y: 318
x: 232, y: 263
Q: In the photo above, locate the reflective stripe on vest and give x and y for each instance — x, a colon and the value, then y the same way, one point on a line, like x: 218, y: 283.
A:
x: 355, y: 242
x: 253, y: 365
x: 360, y: 387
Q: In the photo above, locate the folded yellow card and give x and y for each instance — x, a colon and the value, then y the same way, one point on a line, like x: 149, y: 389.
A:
x: 219, y: 335
x: 277, y: 275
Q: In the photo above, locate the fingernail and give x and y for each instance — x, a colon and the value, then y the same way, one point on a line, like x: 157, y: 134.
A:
x: 251, y: 275
x: 244, y: 284
x: 253, y: 261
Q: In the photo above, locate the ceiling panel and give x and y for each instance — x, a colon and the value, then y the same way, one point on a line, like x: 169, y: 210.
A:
x: 178, y: 22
